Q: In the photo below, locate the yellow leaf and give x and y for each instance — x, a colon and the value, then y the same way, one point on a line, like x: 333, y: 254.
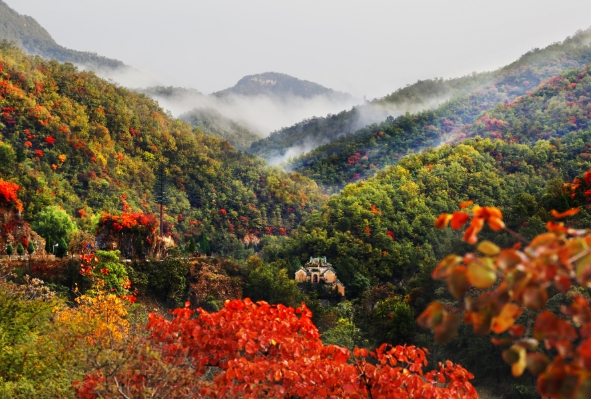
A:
x: 488, y: 248
x: 481, y: 275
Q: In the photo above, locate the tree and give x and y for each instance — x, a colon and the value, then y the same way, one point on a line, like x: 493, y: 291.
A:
x: 271, y: 284
x: 20, y: 249
x: 262, y: 350
x: 191, y: 246
x: 30, y: 248
x: 62, y: 248
x: 8, y: 194
x: 161, y: 192
x: 55, y: 225
x: 517, y: 282
x: 204, y: 244
x: 9, y: 250
x: 7, y: 158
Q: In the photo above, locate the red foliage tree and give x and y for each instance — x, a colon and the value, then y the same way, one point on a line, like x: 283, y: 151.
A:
x: 8, y: 193
x: 50, y: 140
x: 262, y: 350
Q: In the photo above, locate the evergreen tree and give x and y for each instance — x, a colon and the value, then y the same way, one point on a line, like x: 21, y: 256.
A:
x: 204, y: 244
x: 30, y: 248
x: 20, y: 249
x: 9, y: 250
x: 191, y: 246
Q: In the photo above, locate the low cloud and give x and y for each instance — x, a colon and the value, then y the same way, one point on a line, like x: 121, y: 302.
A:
x: 262, y: 114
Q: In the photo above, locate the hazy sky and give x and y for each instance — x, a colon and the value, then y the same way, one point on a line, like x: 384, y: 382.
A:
x: 365, y: 47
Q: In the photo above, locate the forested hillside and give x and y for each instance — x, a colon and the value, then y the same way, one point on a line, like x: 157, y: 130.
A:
x: 360, y: 154
x: 91, y: 147
x: 26, y: 33
x: 311, y: 133
x: 383, y: 228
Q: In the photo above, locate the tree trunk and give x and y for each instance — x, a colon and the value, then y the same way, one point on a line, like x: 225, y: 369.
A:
x: 161, y: 224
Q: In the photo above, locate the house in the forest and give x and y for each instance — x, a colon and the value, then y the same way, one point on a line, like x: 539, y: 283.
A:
x: 318, y: 270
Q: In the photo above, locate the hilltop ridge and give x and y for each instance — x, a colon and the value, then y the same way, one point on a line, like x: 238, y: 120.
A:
x: 280, y: 85
x: 30, y: 36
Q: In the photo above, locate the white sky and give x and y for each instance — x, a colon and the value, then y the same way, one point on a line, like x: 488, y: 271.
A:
x: 365, y: 47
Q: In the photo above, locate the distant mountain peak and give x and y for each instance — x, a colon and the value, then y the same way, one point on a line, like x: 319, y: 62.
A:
x: 279, y: 85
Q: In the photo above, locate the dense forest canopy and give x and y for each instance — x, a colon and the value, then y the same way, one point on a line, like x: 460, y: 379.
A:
x: 209, y: 120
x: 75, y: 140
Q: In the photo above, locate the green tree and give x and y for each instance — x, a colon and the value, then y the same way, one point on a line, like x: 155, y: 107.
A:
x: 359, y: 285
x: 344, y: 333
x: 204, y: 244
x: 55, y: 225
x: 62, y: 248
x: 271, y: 284
x: 191, y: 246
x: 9, y: 250
x: 20, y: 249
x: 7, y: 158
x: 111, y: 269
x: 30, y: 248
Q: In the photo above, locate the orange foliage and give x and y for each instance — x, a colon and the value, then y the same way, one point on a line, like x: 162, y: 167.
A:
x: 516, y: 279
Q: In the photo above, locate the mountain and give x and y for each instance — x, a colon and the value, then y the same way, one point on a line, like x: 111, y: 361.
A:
x: 27, y: 34
x: 281, y: 86
x: 92, y: 148
x: 359, y: 154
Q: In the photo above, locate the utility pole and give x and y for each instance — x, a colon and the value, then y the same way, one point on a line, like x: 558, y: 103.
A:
x: 161, y: 193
